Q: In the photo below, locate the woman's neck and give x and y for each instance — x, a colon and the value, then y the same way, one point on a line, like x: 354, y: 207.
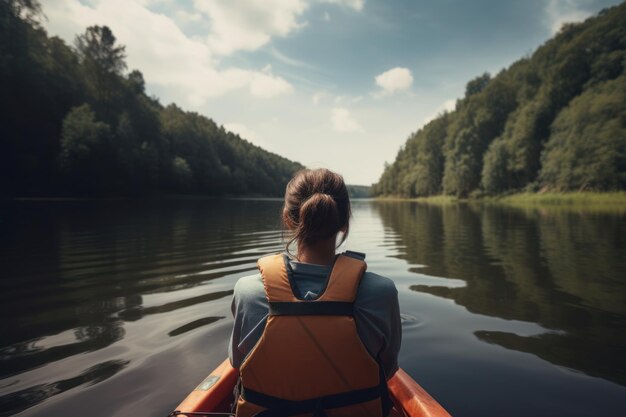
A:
x: 321, y: 253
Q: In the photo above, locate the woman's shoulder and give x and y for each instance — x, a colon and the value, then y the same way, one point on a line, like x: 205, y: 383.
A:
x: 375, y: 284
x: 377, y: 300
x: 249, y: 286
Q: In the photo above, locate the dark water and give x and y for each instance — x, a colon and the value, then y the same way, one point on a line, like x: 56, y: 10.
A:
x: 120, y: 309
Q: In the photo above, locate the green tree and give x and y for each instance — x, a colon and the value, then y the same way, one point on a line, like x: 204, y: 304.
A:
x: 430, y: 157
x: 481, y: 119
x: 495, y: 174
x: 477, y: 85
x: 587, y: 149
x: 136, y: 82
x: 84, y: 141
x: 182, y: 173
x: 103, y: 60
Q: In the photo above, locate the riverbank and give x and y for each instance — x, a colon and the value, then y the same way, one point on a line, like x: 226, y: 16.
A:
x: 576, y: 200
x: 594, y: 201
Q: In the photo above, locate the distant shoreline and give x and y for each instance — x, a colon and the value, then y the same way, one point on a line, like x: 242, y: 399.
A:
x: 609, y: 201
x: 166, y: 196
x: 595, y: 201
x: 146, y: 198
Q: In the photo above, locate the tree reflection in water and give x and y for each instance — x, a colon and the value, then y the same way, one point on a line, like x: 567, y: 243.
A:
x: 563, y: 270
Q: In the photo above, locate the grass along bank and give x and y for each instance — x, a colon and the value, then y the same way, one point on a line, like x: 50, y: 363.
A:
x: 585, y: 200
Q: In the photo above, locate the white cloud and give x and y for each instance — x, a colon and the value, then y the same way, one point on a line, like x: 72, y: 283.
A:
x: 340, y: 99
x: 150, y: 2
x: 326, y: 17
x: 288, y: 60
x: 317, y: 97
x: 396, y: 79
x: 249, y: 24
x: 189, y: 66
x: 185, y: 17
x: 343, y: 121
x: 265, y: 85
x: 353, y: 4
x: 559, y: 12
x: 158, y: 48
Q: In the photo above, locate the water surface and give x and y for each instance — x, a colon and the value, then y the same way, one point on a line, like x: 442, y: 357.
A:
x: 117, y: 308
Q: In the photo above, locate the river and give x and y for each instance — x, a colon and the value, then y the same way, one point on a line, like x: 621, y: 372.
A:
x: 119, y: 308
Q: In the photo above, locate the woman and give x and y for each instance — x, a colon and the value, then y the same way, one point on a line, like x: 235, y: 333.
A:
x: 314, y: 333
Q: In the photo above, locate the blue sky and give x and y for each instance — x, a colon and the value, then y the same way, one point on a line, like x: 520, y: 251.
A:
x: 333, y: 83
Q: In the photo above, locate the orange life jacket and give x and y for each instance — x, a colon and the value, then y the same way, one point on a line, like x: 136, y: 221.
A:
x: 310, y: 359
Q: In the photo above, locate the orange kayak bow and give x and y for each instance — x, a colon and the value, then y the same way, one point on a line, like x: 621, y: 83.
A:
x: 215, y: 394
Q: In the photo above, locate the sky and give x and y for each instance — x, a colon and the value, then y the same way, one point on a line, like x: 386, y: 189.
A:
x: 339, y: 84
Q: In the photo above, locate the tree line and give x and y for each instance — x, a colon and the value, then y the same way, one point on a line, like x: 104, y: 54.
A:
x: 74, y: 122
x: 554, y: 120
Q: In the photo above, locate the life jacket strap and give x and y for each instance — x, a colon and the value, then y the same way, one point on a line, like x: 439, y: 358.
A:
x: 354, y: 254
x: 278, y: 407
x: 311, y: 308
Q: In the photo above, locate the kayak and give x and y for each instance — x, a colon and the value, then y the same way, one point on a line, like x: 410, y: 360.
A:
x: 215, y: 394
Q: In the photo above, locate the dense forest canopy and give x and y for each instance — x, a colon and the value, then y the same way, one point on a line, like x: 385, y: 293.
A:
x: 555, y: 120
x: 74, y: 122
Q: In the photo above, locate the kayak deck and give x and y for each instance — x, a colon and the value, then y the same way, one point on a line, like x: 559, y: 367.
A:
x: 215, y: 394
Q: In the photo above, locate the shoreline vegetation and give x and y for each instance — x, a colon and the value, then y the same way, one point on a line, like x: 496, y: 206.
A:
x: 82, y: 124
x: 581, y: 200
x: 557, y: 199
x: 553, y: 120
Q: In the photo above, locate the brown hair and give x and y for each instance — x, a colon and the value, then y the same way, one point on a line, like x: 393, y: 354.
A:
x: 317, y: 206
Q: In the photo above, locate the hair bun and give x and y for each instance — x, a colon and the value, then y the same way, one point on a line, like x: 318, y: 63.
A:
x: 319, y: 216
x: 317, y: 206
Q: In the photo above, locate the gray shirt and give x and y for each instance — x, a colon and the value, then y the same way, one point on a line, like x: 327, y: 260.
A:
x: 376, y: 313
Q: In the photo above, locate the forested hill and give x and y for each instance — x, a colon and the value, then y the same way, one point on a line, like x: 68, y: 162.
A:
x: 555, y: 120
x: 74, y: 122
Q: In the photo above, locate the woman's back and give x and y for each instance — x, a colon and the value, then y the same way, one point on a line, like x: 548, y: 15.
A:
x: 376, y: 312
